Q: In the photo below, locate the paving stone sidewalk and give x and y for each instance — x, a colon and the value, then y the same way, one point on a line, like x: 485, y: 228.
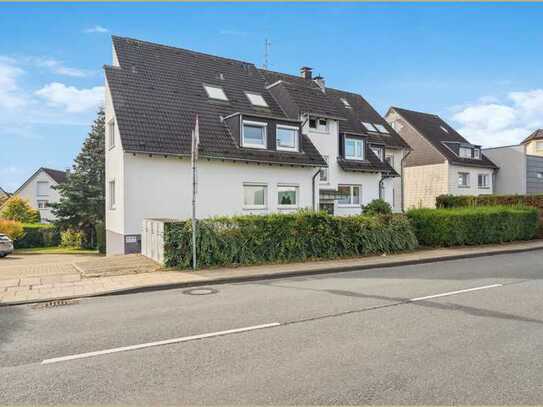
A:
x: 30, y: 289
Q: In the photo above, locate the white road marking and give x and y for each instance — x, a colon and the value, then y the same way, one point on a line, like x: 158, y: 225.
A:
x: 158, y: 343
x: 455, y: 292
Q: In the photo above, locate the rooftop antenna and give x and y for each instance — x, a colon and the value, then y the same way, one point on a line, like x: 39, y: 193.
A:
x: 267, y: 44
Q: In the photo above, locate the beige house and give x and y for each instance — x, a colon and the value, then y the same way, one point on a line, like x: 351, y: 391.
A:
x: 441, y: 160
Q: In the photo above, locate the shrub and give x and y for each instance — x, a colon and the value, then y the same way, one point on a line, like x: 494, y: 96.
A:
x: 300, y: 236
x: 71, y: 238
x: 452, y: 201
x: 38, y: 235
x: 12, y: 228
x: 472, y: 226
x: 377, y: 207
x: 101, y: 237
x: 19, y: 209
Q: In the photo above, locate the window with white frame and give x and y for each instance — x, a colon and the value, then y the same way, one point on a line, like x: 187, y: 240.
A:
x: 112, y: 195
x: 287, y: 138
x: 254, y: 134
x: 255, y: 196
x: 390, y: 160
x: 43, y: 188
x: 256, y: 99
x: 215, y: 92
x: 477, y: 154
x: 354, y: 149
x: 463, y: 179
x: 318, y: 124
x: 465, y: 152
x: 349, y: 194
x: 483, y: 181
x: 381, y: 128
x: 379, y: 152
x: 324, y: 171
x: 539, y: 145
x: 111, y: 134
x: 287, y: 196
x: 369, y: 127
x: 42, y: 203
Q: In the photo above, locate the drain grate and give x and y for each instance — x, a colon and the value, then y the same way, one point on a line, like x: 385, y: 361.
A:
x: 200, y: 291
x: 55, y: 303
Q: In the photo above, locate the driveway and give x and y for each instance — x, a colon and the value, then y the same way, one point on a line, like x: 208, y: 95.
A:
x: 20, y: 266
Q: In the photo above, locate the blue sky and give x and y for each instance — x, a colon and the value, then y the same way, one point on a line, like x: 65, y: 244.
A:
x: 477, y: 65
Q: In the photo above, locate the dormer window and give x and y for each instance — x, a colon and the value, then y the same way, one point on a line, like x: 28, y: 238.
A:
x: 254, y: 134
x: 256, y: 99
x: 346, y: 103
x: 287, y: 138
x: 464, y: 152
x: 318, y: 124
x: 354, y: 149
x: 381, y: 128
x: 379, y: 152
x: 369, y: 127
x: 215, y: 92
x: 477, y: 154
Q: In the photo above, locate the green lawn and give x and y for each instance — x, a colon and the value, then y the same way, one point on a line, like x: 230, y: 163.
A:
x: 55, y: 250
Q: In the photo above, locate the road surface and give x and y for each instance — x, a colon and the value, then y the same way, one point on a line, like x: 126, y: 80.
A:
x: 456, y: 332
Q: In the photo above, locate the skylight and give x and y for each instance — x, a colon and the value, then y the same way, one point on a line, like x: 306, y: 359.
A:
x: 346, y: 103
x: 444, y: 129
x: 381, y: 128
x: 369, y: 127
x: 256, y: 99
x: 215, y: 92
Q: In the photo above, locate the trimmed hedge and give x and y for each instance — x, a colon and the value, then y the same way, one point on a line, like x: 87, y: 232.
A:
x: 38, y: 235
x: 473, y: 226
x: 460, y: 201
x: 254, y: 239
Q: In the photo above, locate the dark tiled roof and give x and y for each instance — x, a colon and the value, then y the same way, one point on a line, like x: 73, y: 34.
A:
x: 158, y: 90
x: 446, y: 142
x: 310, y: 99
x: 536, y: 135
x: 3, y: 192
x: 58, y: 176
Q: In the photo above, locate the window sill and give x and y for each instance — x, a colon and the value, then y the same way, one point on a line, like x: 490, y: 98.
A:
x: 287, y: 208
x: 254, y: 147
x: 464, y: 186
x: 255, y: 208
x: 480, y: 187
x: 354, y: 159
x: 348, y: 206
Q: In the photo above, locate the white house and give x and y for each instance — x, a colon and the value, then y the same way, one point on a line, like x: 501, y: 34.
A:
x: 39, y: 191
x: 269, y: 142
x: 441, y: 160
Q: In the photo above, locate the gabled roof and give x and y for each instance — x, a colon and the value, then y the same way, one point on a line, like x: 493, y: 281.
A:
x: 536, y: 135
x: 442, y: 136
x: 58, y: 176
x: 309, y: 98
x: 4, y: 192
x: 158, y: 90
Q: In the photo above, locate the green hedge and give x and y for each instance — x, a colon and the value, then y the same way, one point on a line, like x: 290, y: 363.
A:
x: 460, y: 201
x: 472, y: 226
x: 38, y: 235
x: 254, y: 239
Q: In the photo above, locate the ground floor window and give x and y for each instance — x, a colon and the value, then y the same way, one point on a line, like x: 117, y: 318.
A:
x: 255, y: 196
x: 483, y: 181
x: 463, y: 179
x: 349, y: 194
x: 287, y: 195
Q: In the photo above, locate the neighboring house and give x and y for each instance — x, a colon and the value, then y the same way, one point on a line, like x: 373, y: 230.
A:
x: 3, y: 195
x: 521, y: 166
x: 441, y: 160
x: 265, y: 141
x: 38, y: 190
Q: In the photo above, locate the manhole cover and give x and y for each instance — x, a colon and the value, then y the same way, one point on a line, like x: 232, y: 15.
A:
x: 56, y: 303
x: 200, y: 291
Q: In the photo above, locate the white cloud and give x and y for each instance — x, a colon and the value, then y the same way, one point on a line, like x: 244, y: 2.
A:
x: 491, y: 122
x: 70, y: 98
x: 58, y: 67
x: 96, y: 29
x: 11, y: 96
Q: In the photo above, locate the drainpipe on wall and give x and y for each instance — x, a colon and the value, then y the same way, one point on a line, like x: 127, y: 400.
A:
x: 403, y: 180
x: 314, y: 189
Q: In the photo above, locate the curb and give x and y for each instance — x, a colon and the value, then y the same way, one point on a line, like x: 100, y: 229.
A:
x: 274, y: 276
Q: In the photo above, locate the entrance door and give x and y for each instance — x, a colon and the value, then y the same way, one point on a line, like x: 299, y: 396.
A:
x: 327, y: 207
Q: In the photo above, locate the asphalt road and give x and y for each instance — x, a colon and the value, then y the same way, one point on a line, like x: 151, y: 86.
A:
x: 347, y: 338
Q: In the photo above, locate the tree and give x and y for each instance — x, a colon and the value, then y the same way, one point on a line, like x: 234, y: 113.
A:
x: 82, y: 197
x: 13, y: 229
x: 19, y: 209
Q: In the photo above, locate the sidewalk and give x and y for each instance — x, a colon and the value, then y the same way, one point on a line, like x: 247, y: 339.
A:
x: 31, y: 289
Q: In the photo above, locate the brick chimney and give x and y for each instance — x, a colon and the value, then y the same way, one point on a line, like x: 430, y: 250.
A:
x: 306, y: 72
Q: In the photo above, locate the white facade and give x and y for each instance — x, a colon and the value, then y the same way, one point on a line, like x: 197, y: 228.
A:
x: 476, y: 180
x: 39, y: 192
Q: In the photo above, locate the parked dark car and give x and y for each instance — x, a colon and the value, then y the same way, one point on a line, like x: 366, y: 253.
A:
x: 6, y: 245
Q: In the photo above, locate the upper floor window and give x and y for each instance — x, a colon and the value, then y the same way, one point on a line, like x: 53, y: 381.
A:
x: 381, y: 128
x: 378, y: 151
x: 111, y: 134
x: 463, y: 179
x: 369, y: 127
x: 539, y: 145
x: 254, y: 134
x: 256, y: 99
x: 42, y: 204
x: 43, y: 188
x: 354, y: 149
x: 465, y: 152
x: 287, y: 138
x: 215, y: 92
x: 477, y: 154
x: 320, y: 125
x: 483, y: 181
x: 346, y: 103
